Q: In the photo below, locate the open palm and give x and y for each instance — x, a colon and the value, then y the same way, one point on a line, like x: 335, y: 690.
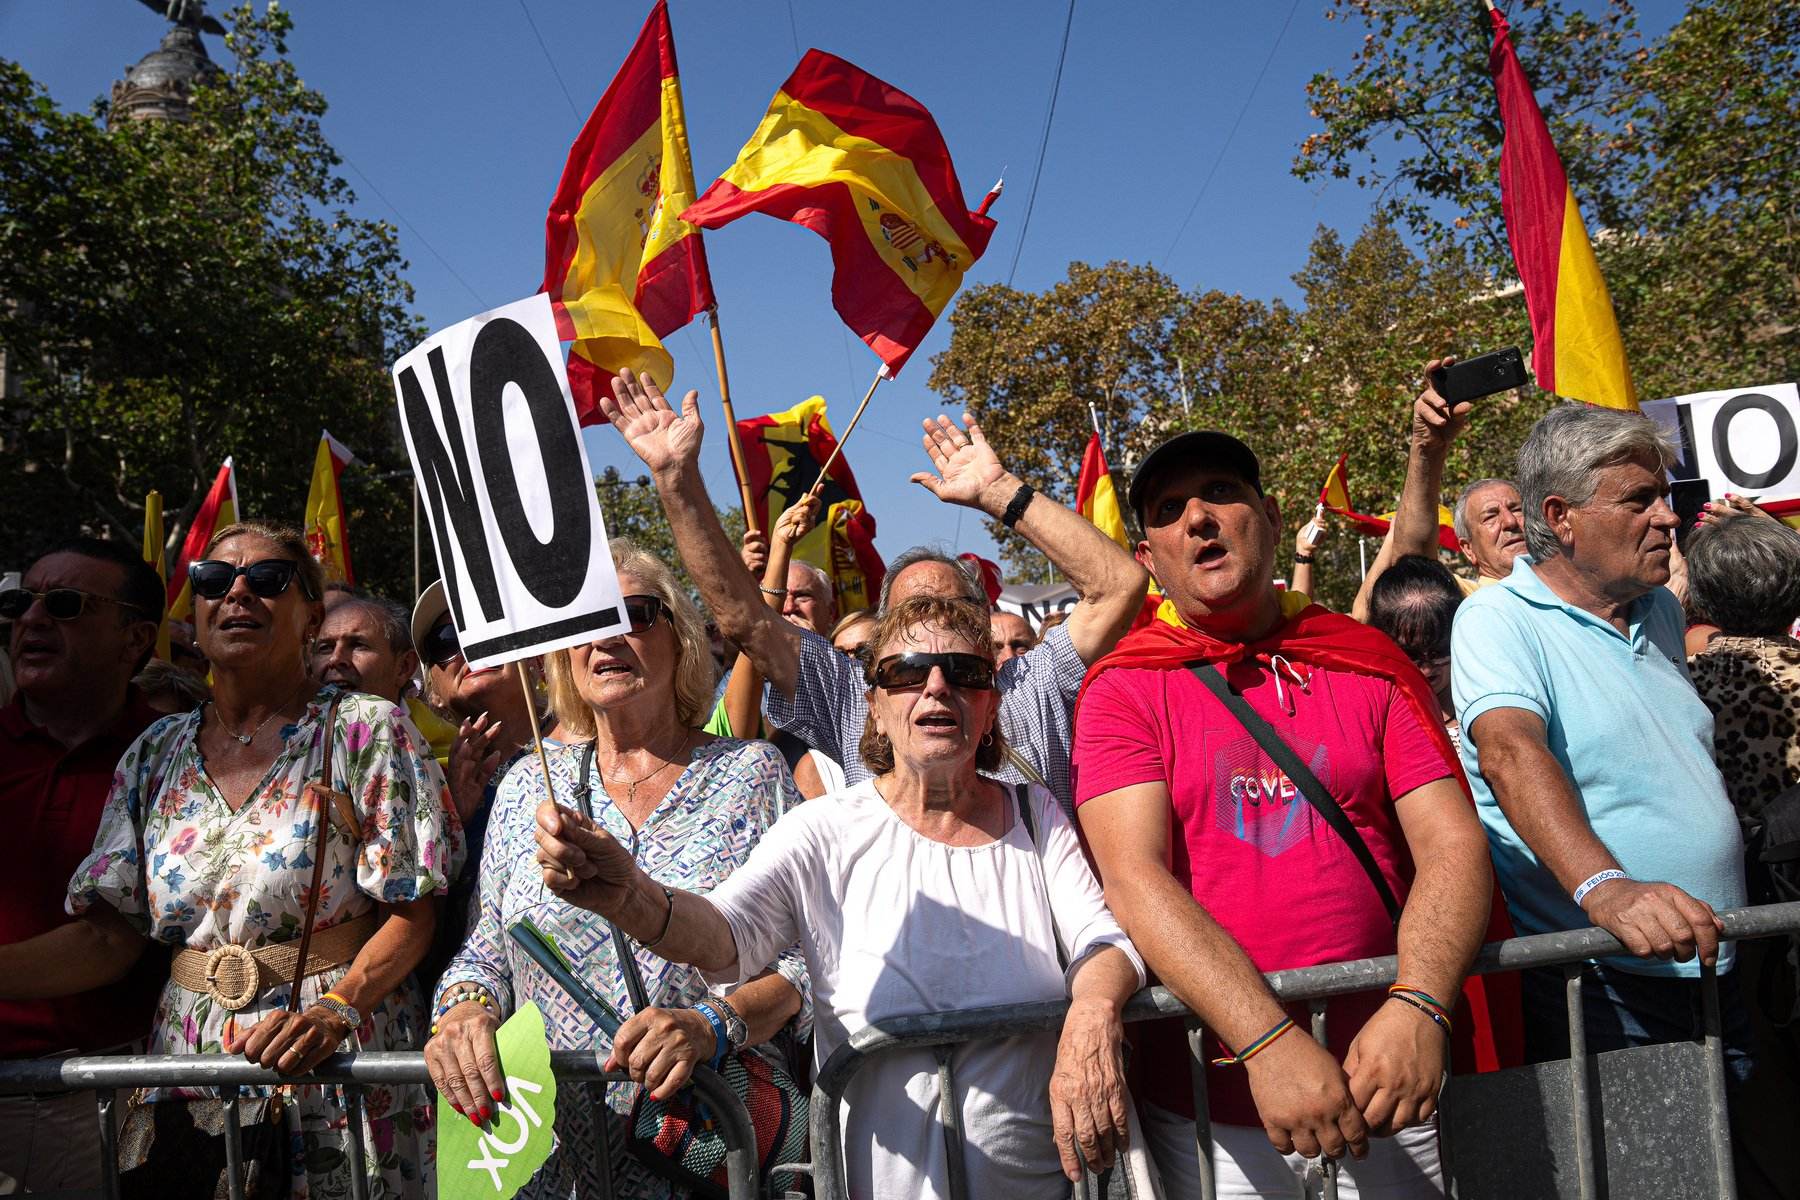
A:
x: 966, y: 464
x: 656, y: 433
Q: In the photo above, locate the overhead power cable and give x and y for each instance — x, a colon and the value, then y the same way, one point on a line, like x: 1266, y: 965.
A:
x: 546, y: 49
x: 1043, y: 143
x: 414, y: 230
x: 1226, y: 144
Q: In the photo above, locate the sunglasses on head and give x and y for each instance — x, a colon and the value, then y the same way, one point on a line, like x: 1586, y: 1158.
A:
x: 898, y: 672
x: 644, y: 611
x: 60, y: 603
x: 213, y: 577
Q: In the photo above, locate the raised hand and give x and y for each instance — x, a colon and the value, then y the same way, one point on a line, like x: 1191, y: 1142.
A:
x: 474, y: 757
x: 665, y: 440
x: 1435, y: 421
x: 797, y: 521
x: 967, y: 467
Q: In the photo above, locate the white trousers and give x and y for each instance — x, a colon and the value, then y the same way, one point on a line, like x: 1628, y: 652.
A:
x: 1245, y: 1165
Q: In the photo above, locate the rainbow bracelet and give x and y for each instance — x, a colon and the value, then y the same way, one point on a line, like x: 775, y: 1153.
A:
x: 1257, y: 1047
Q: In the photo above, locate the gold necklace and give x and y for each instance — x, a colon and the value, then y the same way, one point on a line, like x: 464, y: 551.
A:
x: 632, y: 784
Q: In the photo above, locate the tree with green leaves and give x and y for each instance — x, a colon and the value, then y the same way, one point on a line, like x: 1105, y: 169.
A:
x: 179, y: 291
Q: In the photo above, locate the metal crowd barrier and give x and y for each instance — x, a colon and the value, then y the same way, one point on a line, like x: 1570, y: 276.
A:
x: 105, y: 1075
x: 943, y: 1031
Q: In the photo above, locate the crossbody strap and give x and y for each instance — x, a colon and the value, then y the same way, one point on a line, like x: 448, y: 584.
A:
x: 1022, y: 797
x: 634, y: 979
x: 323, y: 818
x: 1301, y: 776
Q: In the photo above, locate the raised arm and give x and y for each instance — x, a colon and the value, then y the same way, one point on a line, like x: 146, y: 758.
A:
x: 1301, y: 1094
x: 743, y: 695
x: 1653, y: 920
x: 1110, y: 582
x: 669, y: 444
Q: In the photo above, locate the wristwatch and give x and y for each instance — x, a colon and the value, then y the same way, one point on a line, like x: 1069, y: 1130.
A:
x: 737, y: 1034
x: 343, y: 1012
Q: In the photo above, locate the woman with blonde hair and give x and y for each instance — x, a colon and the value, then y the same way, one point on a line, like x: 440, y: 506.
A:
x: 282, y: 831
x: 690, y: 806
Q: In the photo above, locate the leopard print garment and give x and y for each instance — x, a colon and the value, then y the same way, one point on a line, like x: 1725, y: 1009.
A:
x: 1752, y: 685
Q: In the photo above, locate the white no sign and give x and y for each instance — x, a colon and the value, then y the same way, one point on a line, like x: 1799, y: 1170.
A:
x: 1744, y: 440
x: 504, y: 477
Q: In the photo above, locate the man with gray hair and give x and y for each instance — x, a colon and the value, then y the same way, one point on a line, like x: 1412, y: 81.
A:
x: 1590, y: 755
x: 820, y: 695
x: 365, y: 645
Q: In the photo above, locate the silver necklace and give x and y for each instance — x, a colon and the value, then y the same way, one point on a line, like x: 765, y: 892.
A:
x: 244, y: 739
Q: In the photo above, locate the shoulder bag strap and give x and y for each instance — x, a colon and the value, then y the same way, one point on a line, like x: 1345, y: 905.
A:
x: 327, y: 735
x: 1302, y: 777
x: 1022, y: 797
x: 634, y: 979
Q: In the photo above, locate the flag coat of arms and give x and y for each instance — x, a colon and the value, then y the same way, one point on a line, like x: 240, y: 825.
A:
x: 327, y: 528
x: 622, y: 268
x: 782, y: 455
x: 863, y: 165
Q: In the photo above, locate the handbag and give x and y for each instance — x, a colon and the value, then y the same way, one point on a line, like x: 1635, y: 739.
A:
x: 1133, y: 1175
x: 1301, y: 776
x: 177, y: 1148
x: 679, y: 1139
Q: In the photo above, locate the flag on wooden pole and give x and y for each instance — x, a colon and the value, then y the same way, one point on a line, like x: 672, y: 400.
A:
x: 1095, y: 497
x: 327, y: 525
x: 861, y: 164
x: 219, y: 509
x: 156, y: 553
x: 1576, y: 348
x: 622, y: 268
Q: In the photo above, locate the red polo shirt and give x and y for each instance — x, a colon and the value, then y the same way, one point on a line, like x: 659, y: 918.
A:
x: 51, y: 797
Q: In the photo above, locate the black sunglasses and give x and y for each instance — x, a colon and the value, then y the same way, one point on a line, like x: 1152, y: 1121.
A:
x: 897, y: 672
x: 643, y: 611
x: 213, y: 577
x: 61, y: 603
x: 440, y: 645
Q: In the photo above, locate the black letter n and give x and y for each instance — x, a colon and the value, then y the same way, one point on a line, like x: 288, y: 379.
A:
x: 439, y: 468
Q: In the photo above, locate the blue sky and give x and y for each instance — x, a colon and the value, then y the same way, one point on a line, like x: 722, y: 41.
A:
x: 454, y: 124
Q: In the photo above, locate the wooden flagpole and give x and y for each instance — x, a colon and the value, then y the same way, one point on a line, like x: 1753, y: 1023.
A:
x: 537, y: 735
x: 731, y: 429
x: 880, y: 374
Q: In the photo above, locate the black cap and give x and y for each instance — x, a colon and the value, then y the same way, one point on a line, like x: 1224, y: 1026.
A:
x: 1206, y: 447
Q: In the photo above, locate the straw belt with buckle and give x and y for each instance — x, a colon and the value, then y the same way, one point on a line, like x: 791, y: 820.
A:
x: 234, y: 976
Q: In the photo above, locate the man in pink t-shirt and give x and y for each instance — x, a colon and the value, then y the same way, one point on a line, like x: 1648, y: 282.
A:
x: 1219, y: 868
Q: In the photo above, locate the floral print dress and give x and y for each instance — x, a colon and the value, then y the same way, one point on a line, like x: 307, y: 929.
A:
x: 704, y: 828
x: 185, y: 870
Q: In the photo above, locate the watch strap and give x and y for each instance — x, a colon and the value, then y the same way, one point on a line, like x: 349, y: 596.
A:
x: 1020, y: 502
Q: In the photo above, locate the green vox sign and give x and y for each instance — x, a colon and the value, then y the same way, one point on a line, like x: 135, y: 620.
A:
x: 494, y: 1163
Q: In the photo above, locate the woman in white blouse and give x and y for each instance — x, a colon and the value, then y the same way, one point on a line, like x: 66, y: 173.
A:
x: 918, y: 891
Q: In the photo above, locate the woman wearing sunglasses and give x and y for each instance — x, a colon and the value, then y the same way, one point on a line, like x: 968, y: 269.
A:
x: 207, y: 845
x: 690, y: 807
x: 928, y: 888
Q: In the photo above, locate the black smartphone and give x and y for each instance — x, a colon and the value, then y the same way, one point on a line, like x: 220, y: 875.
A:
x: 1474, y: 378
x: 1687, y: 497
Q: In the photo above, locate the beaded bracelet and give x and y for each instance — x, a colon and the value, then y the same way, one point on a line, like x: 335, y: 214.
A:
x: 459, y: 993
x: 1438, y: 1018
x: 1409, y: 990
x: 1258, y: 1046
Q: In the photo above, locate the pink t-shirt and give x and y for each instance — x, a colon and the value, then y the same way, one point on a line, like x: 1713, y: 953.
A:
x: 1248, y: 845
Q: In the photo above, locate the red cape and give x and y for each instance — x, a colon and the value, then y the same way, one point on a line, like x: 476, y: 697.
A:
x: 1489, y: 1030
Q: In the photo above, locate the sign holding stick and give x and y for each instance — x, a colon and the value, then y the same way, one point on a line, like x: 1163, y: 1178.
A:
x: 880, y: 374
x: 504, y: 479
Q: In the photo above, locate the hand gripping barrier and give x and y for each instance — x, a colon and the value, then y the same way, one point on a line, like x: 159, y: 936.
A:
x: 105, y: 1075
x: 941, y: 1031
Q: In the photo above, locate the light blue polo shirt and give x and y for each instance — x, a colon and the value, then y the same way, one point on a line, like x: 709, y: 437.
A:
x: 1625, y: 723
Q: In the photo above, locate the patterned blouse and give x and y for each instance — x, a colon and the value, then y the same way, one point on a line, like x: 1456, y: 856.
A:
x: 1752, y: 685
x: 704, y: 828
x: 184, y: 869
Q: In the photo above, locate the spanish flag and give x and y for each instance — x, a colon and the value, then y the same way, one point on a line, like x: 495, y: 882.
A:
x: 622, y: 268
x: 327, y: 532
x: 1576, y: 349
x: 1095, y: 497
x: 782, y: 455
x: 219, y: 509
x: 156, y: 553
x: 862, y: 165
x: 1335, y: 496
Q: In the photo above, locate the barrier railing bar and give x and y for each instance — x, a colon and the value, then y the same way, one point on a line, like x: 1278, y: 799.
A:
x: 927, y: 1030
x: 1580, y: 1113
x: 105, y: 1108
x: 1203, y: 1143
x: 950, y: 1113
x: 359, y: 1174
x: 234, y: 1145
x: 1718, y: 1125
x: 1328, y: 1167
x: 101, y: 1073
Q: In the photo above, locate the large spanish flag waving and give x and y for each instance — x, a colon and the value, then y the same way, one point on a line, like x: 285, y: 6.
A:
x: 1576, y: 349
x: 782, y: 455
x: 622, y: 268
x: 327, y: 526
x: 861, y: 164
x: 1095, y: 497
x: 219, y: 509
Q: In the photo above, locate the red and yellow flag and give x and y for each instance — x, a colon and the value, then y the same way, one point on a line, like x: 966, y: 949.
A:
x: 1335, y: 496
x: 156, y: 553
x: 861, y: 164
x: 327, y: 526
x: 622, y: 268
x: 1576, y: 348
x: 782, y: 455
x: 1095, y: 497
x: 219, y: 509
